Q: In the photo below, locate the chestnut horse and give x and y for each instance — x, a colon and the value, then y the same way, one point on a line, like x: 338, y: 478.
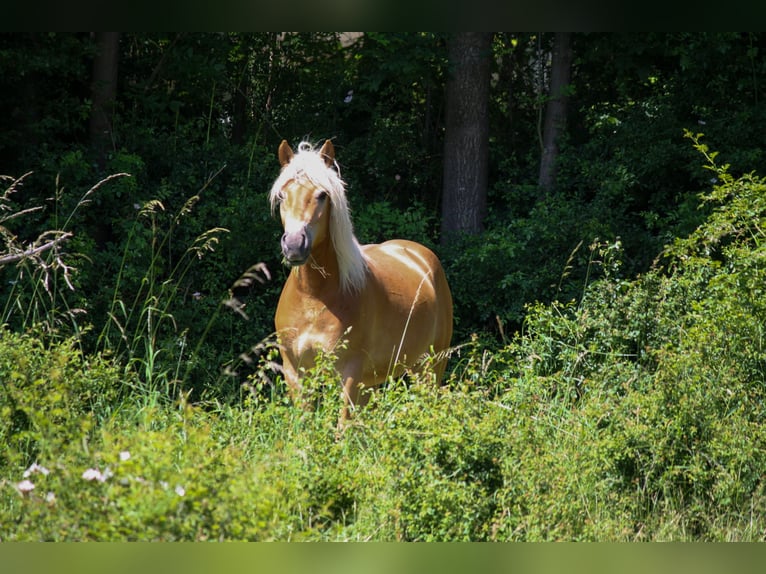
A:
x: 389, y: 303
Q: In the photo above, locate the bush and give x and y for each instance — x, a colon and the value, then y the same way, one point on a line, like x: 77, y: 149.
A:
x: 518, y: 260
x: 167, y: 476
x: 51, y: 396
x: 671, y: 368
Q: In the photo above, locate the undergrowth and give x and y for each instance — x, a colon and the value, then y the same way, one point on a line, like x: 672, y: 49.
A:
x: 635, y: 412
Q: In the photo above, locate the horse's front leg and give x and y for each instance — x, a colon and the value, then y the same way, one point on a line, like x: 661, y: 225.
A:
x: 293, y: 382
x: 355, y: 394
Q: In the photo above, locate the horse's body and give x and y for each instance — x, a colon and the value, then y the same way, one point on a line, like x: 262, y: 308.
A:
x: 389, y: 304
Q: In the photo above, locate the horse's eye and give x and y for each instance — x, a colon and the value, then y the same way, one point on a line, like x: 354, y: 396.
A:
x: 321, y: 195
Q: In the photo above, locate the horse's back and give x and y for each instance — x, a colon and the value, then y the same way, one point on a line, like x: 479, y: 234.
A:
x: 410, y: 278
x: 407, y: 267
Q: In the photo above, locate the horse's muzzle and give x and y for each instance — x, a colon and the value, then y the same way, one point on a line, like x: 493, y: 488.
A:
x: 296, y: 247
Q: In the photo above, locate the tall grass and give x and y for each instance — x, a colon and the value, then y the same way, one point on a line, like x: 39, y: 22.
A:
x: 138, y: 331
x: 634, y: 413
x: 35, y: 289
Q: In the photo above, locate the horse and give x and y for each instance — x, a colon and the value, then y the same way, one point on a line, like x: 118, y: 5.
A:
x: 381, y: 309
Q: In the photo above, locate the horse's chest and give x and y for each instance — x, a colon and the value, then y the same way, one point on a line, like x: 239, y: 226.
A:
x: 310, y: 326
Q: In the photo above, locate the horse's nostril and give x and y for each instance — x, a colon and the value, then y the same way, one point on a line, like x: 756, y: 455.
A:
x: 296, y: 246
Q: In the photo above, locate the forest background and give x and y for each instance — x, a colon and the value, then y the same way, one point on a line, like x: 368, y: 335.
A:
x: 138, y: 237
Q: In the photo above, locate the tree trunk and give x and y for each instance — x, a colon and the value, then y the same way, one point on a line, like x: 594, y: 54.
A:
x: 103, y: 93
x: 466, y: 140
x: 556, y: 109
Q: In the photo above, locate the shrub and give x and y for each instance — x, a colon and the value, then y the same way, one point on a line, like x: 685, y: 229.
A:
x: 671, y: 368
x: 168, y: 476
x: 51, y: 396
x: 437, y: 454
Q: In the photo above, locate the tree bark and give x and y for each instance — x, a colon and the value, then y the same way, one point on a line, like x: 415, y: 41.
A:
x: 103, y: 93
x: 466, y: 140
x: 556, y: 109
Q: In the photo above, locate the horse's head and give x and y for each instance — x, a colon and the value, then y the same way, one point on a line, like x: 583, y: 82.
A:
x: 304, y: 204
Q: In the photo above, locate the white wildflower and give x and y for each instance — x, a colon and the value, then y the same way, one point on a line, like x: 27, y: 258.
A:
x: 96, y: 474
x: 50, y: 498
x: 180, y: 490
x: 25, y: 486
x: 92, y: 474
x: 124, y: 455
x: 35, y: 468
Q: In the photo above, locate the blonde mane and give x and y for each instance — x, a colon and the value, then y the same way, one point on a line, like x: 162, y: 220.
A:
x: 308, y: 164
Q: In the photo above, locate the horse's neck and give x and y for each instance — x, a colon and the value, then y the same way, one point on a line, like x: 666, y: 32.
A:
x: 321, y: 272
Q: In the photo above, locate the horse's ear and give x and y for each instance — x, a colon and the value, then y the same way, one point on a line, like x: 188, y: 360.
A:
x: 328, y: 153
x: 285, y: 153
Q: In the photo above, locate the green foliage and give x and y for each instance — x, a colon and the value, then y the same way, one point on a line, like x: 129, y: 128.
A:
x: 138, y: 332
x: 597, y: 391
x: 439, y: 453
x: 45, y: 105
x: 379, y: 221
x: 169, y: 477
x: 51, y: 396
x: 674, y: 363
x: 203, y: 114
x: 518, y: 260
x: 390, y: 122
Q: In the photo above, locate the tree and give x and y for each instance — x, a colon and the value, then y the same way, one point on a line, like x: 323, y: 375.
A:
x: 556, y: 109
x: 103, y: 92
x: 466, y: 140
